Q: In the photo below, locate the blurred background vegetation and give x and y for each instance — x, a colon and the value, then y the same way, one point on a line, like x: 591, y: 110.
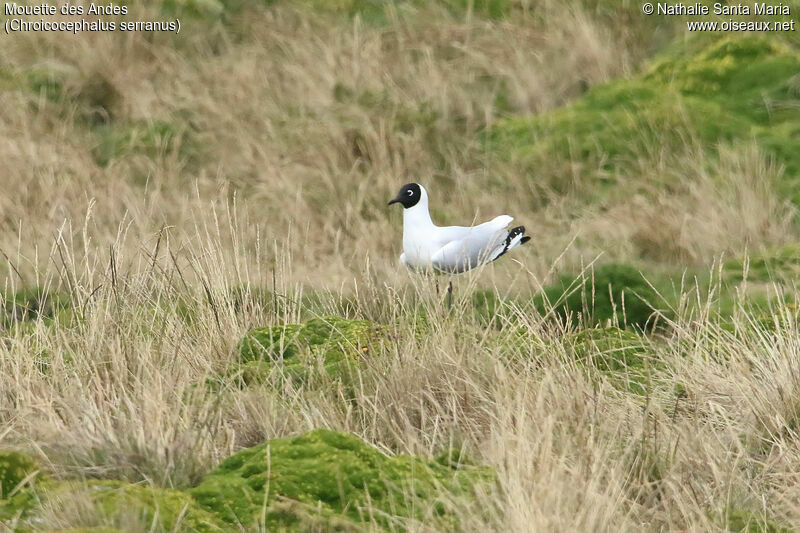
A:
x: 164, y: 194
x: 604, y: 131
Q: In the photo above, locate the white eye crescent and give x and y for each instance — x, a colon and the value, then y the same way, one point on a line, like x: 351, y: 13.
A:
x: 411, y: 193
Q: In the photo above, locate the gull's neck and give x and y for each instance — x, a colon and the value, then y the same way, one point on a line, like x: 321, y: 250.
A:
x: 418, y: 217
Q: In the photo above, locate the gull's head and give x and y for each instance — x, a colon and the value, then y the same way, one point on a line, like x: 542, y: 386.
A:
x: 410, y: 195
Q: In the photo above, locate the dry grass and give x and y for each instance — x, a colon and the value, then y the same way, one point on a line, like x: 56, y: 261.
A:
x: 287, y: 135
x: 309, y: 132
x: 119, y: 394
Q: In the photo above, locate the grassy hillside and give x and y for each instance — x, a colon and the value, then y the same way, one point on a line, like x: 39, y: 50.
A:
x: 204, y: 325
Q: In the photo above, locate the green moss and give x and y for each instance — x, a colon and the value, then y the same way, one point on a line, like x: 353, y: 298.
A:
x: 334, y: 341
x: 617, y: 353
x: 14, y: 469
x: 744, y: 521
x: 610, y: 294
x: 763, y: 318
x: 731, y: 90
x: 16, y: 474
x: 747, y: 74
x: 780, y: 265
x: 167, y: 508
x: 120, y: 504
x: 115, y: 503
x: 17, y: 506
x: 329, y: 479
x: 251, y: 373
x: 609, y: 349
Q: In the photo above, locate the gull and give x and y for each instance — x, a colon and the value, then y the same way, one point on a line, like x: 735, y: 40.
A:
x: 450, y: 249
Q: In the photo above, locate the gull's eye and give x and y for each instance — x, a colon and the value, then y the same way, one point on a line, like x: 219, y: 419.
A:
x: 410, y: 192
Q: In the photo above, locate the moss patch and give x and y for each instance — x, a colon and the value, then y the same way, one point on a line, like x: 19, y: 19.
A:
x: 116, y: 503
x: 744, y: 521
x: 616, y: 353
x: 16, y: 473
x: 609, y: 349
x: 611, y: 294
x: 334, y: 342
x: 780, y: 265
x: 329, y: 479
x: 734, y: 89
x: 123, y: 503
x: 764, y: 318
x: 14, y: 469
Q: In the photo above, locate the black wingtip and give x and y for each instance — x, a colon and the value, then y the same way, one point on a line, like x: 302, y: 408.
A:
x: 515, y: 231
x: 513, y: 234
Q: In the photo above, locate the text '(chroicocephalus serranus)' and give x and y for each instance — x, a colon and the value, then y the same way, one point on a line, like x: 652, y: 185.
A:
x: 450, y: 249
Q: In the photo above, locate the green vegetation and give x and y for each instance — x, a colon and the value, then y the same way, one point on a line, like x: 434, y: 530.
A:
x: 332, y: 342
x: 780, y: 265
x: 153, y: 508
x: 488, y: 307
x: 730, y: 90
x: 15, y: 468
x: 208, y: 270
x: 33, y: 304
x: 151, y: 140
x: 326, y: 479
x: 610, y: 294
x: 620, y: 355
x: 115, y: 502
x: 91, y: 95
x: 744, y: 521
x: 320, y: 479
x: 17, y: 472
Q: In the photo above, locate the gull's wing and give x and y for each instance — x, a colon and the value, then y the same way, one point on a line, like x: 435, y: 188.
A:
x: 469, y: 247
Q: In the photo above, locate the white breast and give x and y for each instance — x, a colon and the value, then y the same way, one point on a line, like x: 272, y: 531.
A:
x: 418, y: 248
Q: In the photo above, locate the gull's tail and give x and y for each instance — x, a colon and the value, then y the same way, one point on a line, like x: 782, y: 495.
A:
x: 515, y: 237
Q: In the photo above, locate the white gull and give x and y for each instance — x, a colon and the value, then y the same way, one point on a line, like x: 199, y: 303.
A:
x: 450, y: 249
